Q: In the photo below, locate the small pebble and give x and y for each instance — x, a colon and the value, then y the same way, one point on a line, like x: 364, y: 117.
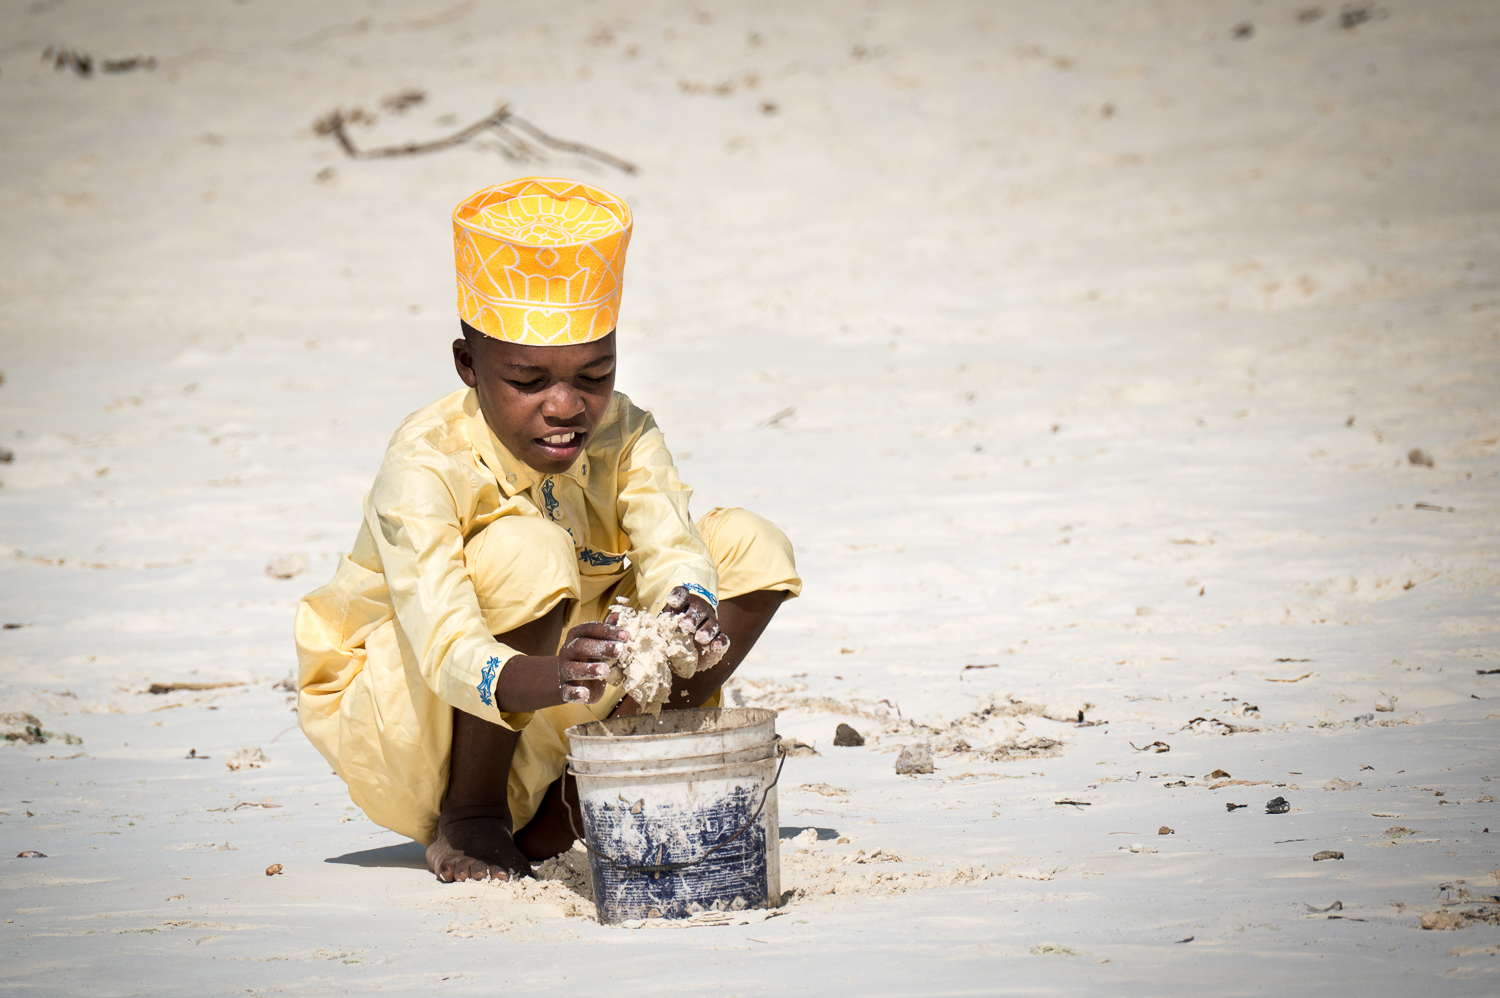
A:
x: 1164, y: 830
x: 844, y: 735
x: 1277, y: 805
x: 273, y: 869
x: 31, y: 854
x: 914, y: 759
x: 1327, y: 854
x: 1137, y: 847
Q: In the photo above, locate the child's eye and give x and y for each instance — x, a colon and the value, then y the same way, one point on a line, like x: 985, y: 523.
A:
x: 527, y: 386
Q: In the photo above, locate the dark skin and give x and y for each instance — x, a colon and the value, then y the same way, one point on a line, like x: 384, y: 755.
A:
x: 543, y: 404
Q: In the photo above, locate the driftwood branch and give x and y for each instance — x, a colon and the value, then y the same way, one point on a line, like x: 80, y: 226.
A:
x: 502, y: 122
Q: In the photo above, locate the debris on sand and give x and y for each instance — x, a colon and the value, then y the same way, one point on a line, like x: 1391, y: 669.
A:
x: 403, y: 101
x: 1341, y: 784
x: 795, y: 749
x: 160, y: 688
x: 1218, y: 727
x: 273, y: 870
x: 1157, y: 747
x: 286, y: 566
x: 82, y: 64
x: 30, y: 854
x: 19, y: 726
x: 878, y: 856
x: 844, y: 735
x: 1035, y: 747
x: 246, y: 758
x: 516, y: 138
x: 914, y: 759
x: 1319, y: 857
x: 1164, y: 830
x: 1009, y: 706
x: 1278, y: 805
x: 1419, y: 457
x: 825, y: 789
x: 1461, y: 918
x: 1052, y: 949
x: 658, y: 649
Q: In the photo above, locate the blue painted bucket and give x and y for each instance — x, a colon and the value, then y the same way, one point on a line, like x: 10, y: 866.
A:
x: 679, y: 812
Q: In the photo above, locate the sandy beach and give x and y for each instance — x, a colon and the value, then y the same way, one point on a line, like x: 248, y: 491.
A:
x: 1127, y: 376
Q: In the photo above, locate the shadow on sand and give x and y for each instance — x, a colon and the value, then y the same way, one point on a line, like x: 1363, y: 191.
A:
x: 824, y: 834
x: 403, y: 855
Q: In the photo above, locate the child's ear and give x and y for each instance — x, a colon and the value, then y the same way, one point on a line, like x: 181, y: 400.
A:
x: 463, y: 362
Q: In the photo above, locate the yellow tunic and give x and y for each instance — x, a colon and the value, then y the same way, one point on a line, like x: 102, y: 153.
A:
x: 462, y: 541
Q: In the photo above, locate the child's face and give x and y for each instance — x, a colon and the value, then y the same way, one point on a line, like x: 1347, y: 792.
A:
x: 542, y: 403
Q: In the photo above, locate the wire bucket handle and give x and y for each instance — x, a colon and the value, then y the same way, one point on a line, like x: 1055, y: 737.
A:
x: 657, y: 869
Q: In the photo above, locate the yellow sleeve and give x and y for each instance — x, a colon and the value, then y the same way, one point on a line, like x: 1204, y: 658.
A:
x: 665, y: 548
x: 414, y: 512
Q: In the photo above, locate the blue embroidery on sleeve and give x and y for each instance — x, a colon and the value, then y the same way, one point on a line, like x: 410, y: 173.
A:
x: 693, y: 587
x: 598, y: 558
x: 487, y: 681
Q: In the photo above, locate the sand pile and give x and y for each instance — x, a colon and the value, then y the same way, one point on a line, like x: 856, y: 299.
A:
x: 657, y: 651
x: 810, y: 869
x: 561, y: 889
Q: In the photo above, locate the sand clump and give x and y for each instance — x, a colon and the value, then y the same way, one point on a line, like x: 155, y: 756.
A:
x: 246, y: 758
x: 657, y: 651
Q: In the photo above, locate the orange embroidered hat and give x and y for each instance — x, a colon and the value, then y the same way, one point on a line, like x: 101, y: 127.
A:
x: 541, y: 261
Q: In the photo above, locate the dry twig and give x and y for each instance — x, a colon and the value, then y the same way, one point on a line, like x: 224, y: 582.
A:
x: 502, y: 121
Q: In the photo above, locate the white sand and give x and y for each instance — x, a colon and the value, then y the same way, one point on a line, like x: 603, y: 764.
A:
x: 1084, y: 341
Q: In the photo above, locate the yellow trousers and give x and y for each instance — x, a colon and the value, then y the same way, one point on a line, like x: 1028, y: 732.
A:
x: 394, y: 735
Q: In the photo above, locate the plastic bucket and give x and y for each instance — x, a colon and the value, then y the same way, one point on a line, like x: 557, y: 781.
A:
x: 679, y: 811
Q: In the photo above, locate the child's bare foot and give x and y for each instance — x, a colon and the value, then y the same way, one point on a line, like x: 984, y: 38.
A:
x: 475, y: 843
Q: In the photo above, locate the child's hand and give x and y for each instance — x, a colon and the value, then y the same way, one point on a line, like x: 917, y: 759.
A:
x: 699, y: 618
x: 585, y: 658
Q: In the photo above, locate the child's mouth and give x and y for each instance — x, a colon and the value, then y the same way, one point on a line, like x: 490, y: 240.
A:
x: 562, y: 446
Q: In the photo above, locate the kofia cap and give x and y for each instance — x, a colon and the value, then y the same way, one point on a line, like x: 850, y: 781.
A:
x: 541, y: 261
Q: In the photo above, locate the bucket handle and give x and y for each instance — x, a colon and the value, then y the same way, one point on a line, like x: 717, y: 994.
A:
x: 658, y: 869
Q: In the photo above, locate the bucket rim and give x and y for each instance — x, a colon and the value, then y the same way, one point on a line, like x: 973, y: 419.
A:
x: 769, y: 747
x: 601, y: 733
x: 652, y: 774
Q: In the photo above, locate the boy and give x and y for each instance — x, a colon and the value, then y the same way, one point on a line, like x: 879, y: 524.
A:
x: 465, y: 631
